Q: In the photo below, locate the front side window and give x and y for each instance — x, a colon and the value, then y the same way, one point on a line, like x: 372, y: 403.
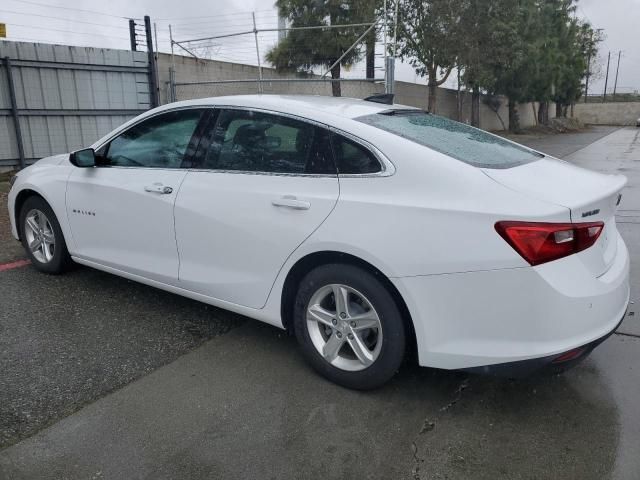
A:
x: 259, y: 142
x: 159, y: 142
x: 462, y: 142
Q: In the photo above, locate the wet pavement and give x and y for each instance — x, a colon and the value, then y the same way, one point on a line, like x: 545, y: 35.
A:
x: 245, y: 405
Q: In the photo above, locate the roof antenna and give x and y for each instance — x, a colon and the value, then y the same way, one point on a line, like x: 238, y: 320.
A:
x: 385, y: 98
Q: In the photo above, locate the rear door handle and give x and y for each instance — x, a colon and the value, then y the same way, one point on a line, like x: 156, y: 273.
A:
x: 289, y: 201
x: 158, y: 188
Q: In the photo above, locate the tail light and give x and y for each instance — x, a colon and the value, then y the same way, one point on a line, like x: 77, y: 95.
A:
x: 568, y: 356
x: 543, y: 242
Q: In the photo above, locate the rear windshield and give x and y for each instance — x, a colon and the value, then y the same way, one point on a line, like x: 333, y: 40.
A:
x: 462, y: 142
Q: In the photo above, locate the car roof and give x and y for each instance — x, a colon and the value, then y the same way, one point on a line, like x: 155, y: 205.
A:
x: 302, y: 105
x: 336, y: 111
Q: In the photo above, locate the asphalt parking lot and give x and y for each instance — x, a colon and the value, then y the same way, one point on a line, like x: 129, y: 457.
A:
x: 104, y: 378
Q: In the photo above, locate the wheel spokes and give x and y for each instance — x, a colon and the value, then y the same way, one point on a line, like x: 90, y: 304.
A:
x: 341, y: 296
x: 33, y: 225
x: 364, y: 321
x: 48, y: 237
x: 319, y: 314
x: 35, y: 245
x: 46, y: 251
x: 42, y: 221
x: 40, y: 236
x: 360, y: 349
x: 332, y: 347
x: 353, y: 321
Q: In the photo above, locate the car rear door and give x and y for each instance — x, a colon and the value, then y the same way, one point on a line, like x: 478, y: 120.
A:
x: 265, y: 182
x: 121, y: 213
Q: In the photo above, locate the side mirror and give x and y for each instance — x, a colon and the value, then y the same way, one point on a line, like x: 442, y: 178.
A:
x: 83, y: 158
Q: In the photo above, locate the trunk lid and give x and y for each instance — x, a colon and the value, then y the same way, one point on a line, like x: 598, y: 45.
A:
x: 589, y: 196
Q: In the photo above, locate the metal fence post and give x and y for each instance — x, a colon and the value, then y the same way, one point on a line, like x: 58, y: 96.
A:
x: 14, y: 111
x: 255, y: 33
x: 172, y: 85
x: 389, y: 75
x: 132, y: 35
x: 153, y: 79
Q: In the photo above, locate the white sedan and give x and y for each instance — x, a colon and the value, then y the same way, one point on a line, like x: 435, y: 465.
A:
x: 367, y: 229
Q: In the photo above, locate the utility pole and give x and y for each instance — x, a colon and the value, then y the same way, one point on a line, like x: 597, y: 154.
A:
x: 615, y: 85
x: 591, y: 47
x: 132, y: 35
x: 153, y: 79
x: 606, y: 79
x: 586, y: 85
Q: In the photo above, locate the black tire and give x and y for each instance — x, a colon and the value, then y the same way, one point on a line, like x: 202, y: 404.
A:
x: 392, y: 350
x: 61, y: 260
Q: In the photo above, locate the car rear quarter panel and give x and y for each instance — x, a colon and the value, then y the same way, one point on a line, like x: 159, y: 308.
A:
x: 435, y: 215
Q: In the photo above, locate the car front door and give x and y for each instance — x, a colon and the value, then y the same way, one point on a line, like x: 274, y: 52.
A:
x: 121, y: 212
x: 264, y: 184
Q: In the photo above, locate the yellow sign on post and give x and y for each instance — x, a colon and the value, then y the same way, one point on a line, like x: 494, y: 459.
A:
x: 3, y: 30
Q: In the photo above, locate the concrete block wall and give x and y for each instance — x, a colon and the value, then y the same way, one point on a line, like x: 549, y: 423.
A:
x: 614, y: 113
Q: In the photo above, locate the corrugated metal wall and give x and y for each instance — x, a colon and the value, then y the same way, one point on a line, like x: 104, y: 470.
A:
x: 67, y: 97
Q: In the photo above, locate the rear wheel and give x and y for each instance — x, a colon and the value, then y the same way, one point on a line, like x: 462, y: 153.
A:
x: 349, y: 326
x: 42, y: 236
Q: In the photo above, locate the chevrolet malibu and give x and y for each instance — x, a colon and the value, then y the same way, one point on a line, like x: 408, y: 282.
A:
x: 367, y: 229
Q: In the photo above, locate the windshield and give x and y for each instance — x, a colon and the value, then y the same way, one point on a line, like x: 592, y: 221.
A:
x: 462, y: 142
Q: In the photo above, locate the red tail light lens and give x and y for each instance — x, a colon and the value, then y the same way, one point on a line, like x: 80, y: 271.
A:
x: 543, y: 242
x: 570, y: 355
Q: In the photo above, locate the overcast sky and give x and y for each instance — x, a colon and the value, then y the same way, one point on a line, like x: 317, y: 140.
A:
x: 104, y: 24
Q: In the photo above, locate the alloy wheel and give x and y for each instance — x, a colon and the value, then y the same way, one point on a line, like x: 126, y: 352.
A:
x: 40, y: 237
x: 344, y: 327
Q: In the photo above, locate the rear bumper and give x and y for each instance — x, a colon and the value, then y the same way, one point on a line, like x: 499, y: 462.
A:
x: 478, y: 319
x: 552, y: 363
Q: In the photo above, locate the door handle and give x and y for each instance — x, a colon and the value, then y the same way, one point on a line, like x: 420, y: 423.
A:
x: 289, y: 201
x: 158, y: 188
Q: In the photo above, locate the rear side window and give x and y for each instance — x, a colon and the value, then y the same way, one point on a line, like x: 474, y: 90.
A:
x: 260, y: 142
x: 462, y: 142
x: 353, y: 158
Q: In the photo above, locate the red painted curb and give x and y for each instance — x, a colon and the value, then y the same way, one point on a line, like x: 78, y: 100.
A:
x: 12, y: 265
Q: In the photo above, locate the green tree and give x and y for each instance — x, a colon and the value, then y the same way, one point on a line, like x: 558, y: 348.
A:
x: 302, y: 50
x: 427, y: 39
x: 552, y: 51
x: 485, y: 37
x: 580, y: 44
x: 511, y: 73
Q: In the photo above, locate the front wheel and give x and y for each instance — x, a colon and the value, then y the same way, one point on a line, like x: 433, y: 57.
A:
x: 42, y: 237
x: 349, y: 326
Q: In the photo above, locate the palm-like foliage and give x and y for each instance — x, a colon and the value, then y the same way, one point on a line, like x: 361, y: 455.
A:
x: 302, y: 50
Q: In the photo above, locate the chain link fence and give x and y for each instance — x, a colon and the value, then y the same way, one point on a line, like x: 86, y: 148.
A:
x: 610, y: 97
x: 341, y: 60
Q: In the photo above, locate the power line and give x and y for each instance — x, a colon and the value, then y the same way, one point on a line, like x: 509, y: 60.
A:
x: 29, y: 2
x: 226, y: 23
x: 209, y: 16
x: 61, y: 18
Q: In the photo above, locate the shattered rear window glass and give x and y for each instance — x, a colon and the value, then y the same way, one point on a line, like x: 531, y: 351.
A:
x: 462, y: 142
